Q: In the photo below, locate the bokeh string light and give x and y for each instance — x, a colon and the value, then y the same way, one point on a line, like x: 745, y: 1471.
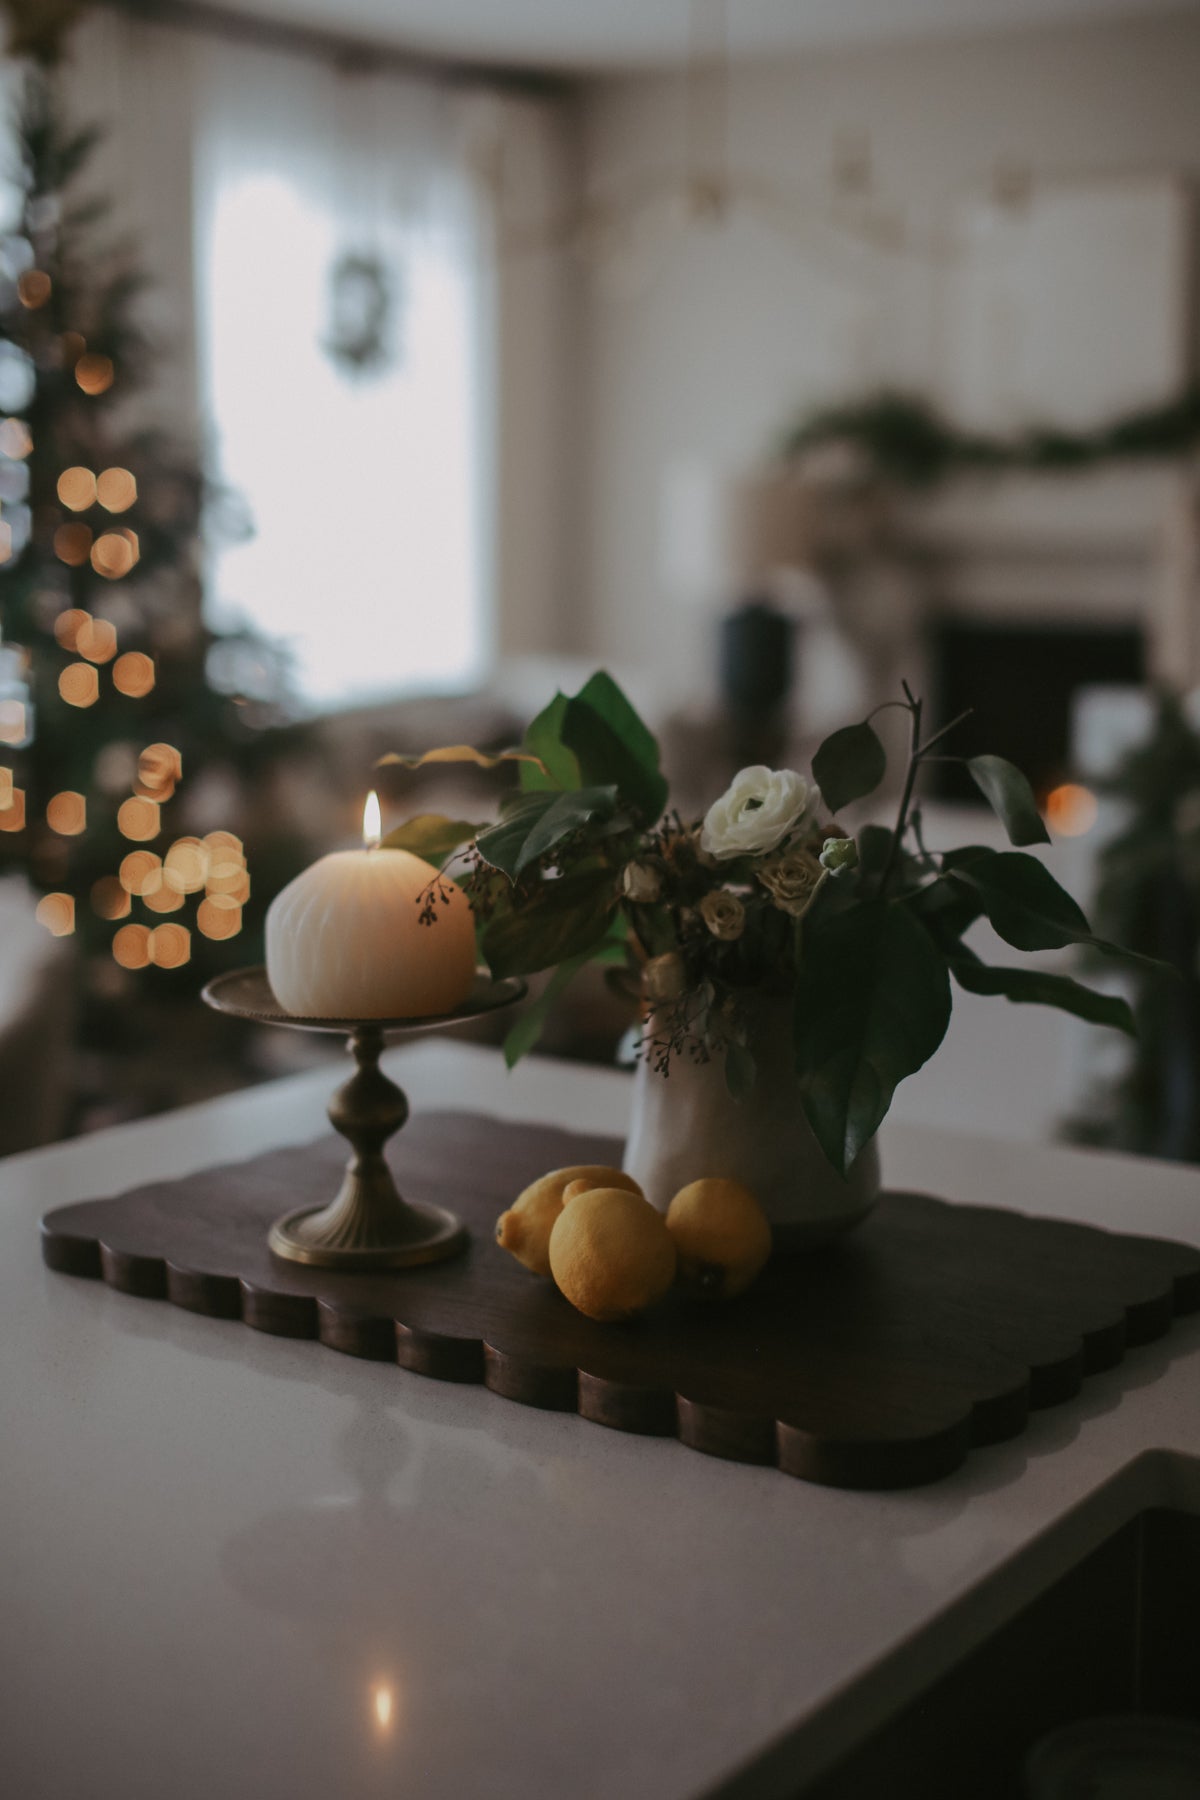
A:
x: 66, y: 814
x: 79, y: 684
x: 95, y: 374
x: 57, y: 913
x: 133, y: 675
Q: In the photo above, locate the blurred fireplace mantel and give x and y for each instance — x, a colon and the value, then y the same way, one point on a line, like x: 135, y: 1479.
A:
x: 1111, y: 547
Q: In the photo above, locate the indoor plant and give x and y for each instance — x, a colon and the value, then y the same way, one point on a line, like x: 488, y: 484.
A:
x: 804, y: 971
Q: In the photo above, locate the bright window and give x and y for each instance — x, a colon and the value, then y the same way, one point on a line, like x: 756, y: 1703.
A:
x: 363, y: 486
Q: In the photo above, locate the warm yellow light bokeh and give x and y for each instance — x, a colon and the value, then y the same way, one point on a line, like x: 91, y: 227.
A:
x: 229, y: 879
x: 12, y: 817
x: 138, y: 818
x: 116, y: 489
x: 79, y: 684
x: 141, y: 872
x: 131, y: 946
x: 170, y: 946
x: 164, y: 899
x: 77, y: 488
x: 186, y: 864
x: 34, y: 288
x: 57, y: 913
x: 113, y: 555
x: 67, y: 814
x: 225, y: 841
x: 94, y: 373
x: 1071, y: 810
x: 97, y: 640
x: 219, y: 916
x: 6, y: 787
x: 67, y: 626
x: 160, y: 767
x: 133, y: 674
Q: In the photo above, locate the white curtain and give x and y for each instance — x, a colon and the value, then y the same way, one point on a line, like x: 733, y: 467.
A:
x: 366, y: 488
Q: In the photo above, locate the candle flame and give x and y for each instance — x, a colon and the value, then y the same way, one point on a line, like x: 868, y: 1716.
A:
x: 372, y: 822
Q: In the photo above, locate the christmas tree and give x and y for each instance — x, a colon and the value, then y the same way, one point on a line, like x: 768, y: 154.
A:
x: 134, y: 741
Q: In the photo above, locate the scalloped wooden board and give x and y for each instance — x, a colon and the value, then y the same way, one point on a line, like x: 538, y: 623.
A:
x: 877, y: 1362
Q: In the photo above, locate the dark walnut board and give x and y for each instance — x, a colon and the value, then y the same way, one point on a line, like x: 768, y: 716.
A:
x: 876, y: 1362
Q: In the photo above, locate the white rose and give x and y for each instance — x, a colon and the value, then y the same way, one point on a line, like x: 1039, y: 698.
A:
x: 756, y: 812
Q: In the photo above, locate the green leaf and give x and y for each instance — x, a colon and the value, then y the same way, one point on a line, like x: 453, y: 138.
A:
x: 1036, y: 988
x: 530, y: 1026
x: 872, y: 1005
x: 566, y: 815
x: 874, y: 844
x: 537, y: 822
x: 1010, y: 797
x: 501, y: 844
x: 1022, y: 900
x: 604, y: 696
x: 612, y: 745
x: 561, y: 919
x: 430, y: 835
x: 740, y: 1070
x: 558, y: 766
x: 849, y: 765
x: 1029, y: 910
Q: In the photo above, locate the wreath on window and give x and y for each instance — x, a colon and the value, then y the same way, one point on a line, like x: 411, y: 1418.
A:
x: 362, y: 306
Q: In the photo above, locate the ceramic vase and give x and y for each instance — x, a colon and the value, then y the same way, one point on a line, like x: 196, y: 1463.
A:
x: 686, y: 1124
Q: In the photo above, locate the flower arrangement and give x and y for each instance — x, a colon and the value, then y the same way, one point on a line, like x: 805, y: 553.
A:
x: 769, y: 893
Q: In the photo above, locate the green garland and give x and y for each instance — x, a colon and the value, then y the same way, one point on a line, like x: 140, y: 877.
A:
x: 909, y: 442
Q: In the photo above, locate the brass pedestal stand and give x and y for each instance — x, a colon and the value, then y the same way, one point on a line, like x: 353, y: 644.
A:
x: 367, y: 1224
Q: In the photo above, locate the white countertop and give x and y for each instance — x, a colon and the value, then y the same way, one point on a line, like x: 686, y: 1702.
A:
x: 224, y: 1555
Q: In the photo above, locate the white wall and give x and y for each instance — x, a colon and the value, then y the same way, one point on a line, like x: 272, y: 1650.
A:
x: 705, y: 345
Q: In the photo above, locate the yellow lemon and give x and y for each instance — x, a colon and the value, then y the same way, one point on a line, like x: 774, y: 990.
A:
x: 611, y: 1253
x: 608, y: 1178
x: 721, y: 1234
x: 524, y: 1230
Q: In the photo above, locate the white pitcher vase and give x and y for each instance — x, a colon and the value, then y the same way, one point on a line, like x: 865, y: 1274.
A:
x: 686, y: 1125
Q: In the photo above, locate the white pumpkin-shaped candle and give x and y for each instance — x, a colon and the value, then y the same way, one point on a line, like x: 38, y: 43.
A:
x: 370, y: 934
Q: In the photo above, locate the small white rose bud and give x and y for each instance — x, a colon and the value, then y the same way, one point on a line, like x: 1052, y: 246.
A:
x: 839, y: 853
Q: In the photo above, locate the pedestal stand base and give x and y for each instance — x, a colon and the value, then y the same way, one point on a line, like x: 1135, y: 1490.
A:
x: 444, y: 1235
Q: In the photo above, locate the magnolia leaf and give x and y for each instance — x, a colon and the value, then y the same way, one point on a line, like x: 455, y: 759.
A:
x: 1035, y: 987
x: 535, y: 823
x: 874, y: 848
x: 530, y: 1026
x: 612, y: 745
x: 604, y: 696
x: 430, y: 835
x: 563, y: 817
x: 500, y: 845
x: 461, y: 753
x: 849, y: 765
x: 555, y: 766
x: 872, y: 1005
x: 563, y: 918
x: 1021, y: 898
x: 1010, y: 797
